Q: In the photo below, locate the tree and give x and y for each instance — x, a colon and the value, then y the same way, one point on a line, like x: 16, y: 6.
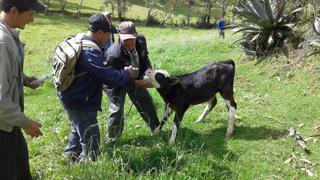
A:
x: 224, y: 8
x: 190, y: 4
x: 112, y: 3
x: 203, y: 9
x: 121, y: 5
x: 209, y: 5
x: 79, y: 8
x: 63, y: 5
x: 169, y: 10
x: 150, y: 4
x: 48, y: 6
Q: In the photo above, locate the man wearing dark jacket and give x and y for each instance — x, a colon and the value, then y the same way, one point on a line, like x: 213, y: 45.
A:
x: 82, y: 99
x: 131, y: 49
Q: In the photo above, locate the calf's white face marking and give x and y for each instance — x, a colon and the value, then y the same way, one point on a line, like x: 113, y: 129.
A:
x: 150, y: 77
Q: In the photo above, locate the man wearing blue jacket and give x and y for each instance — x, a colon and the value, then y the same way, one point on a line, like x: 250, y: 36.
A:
x: 221, y: 26
x: 83, y: 98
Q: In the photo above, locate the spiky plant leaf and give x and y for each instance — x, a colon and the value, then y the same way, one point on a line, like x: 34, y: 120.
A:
x: 269, y: 24
x: 316, y: 25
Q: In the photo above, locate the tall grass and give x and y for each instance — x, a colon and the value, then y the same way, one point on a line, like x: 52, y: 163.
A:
x: 268, y: 104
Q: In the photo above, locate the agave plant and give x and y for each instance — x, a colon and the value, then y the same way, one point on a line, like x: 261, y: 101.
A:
x: 269, y: 25
x: 315, y: 40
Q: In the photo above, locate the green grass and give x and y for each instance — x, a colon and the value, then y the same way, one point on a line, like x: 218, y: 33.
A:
x: 267, y: 108
x: 138, y: 10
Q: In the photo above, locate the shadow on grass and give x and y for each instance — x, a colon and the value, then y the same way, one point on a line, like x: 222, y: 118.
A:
x: 152, y: 155
x: 148, y: 159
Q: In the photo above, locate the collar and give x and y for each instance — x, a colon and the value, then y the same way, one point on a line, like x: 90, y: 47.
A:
x: 14, y: 32
x: 91, y: 39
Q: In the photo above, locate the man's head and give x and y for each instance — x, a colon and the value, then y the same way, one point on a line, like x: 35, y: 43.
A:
x: 108, y: 16
x: 100, y: 27
x: 18, y: 13
x: 128, y: 35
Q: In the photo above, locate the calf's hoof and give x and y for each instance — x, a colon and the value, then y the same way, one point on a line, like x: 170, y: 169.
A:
x: 156, y: 131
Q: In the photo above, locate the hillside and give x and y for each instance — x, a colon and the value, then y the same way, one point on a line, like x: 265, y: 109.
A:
x: 137, y: 10
x: 270, y: 101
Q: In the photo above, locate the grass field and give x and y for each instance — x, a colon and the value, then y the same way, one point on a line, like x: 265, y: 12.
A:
x: 270, y: 101
x: 137, y: 11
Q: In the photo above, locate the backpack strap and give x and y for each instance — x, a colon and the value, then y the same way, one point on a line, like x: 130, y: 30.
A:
x: 88, y: 43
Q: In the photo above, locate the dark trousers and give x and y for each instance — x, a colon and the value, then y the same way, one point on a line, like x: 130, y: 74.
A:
x: 221, y: 33
x: 141, y: 99
x: 14, y: 157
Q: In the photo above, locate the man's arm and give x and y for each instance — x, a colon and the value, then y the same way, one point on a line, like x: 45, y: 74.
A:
x: 92, y: 61
x: 31, y: 82
x: 10, y: 111
x: 143, y: 48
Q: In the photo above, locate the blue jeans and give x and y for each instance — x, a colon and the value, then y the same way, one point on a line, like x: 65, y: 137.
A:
x: 84, y: 137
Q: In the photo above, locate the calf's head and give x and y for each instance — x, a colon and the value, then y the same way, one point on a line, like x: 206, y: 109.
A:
x: 159, y: 78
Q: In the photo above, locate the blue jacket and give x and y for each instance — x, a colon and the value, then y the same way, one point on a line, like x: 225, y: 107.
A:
x: 221, y: 25
x: 85, y: 93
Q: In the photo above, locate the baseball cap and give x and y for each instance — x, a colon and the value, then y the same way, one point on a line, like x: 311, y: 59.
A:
x: 29, y: 4
x: 99, y: 21
x: 127, y: 30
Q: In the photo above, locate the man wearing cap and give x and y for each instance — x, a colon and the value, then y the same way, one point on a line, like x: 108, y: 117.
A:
x: 221, y: 26
x: 14, y: 156
x: 131, y: 49
x: 113, y: 31
x: 83, y: 98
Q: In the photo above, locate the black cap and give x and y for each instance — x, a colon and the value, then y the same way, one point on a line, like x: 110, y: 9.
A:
x: 29, y: 4
x: 99, y: 21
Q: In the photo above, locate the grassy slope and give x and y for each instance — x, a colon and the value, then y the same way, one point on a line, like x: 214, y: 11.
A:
x: 137, y: 11
x: 267, y: 107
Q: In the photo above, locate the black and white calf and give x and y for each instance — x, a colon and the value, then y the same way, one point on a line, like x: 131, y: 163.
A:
x: 179, y: 92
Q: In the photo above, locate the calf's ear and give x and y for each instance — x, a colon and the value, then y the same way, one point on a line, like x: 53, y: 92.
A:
x: 173, y: 81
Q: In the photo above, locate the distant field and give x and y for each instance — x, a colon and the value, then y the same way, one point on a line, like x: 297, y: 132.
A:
x: 137, y: 11
x: 270, y: 101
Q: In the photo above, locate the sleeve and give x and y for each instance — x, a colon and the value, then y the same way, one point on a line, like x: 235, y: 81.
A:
x: 142, y: 46
x: 92, y: 61
x: 10, y: 112
x: 112, y: 61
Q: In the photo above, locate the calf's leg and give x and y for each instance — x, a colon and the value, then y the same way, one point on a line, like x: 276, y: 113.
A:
x: 232, y: 106
x: 211, y: 104
x: 165, y: 116
x: 177, y: 121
